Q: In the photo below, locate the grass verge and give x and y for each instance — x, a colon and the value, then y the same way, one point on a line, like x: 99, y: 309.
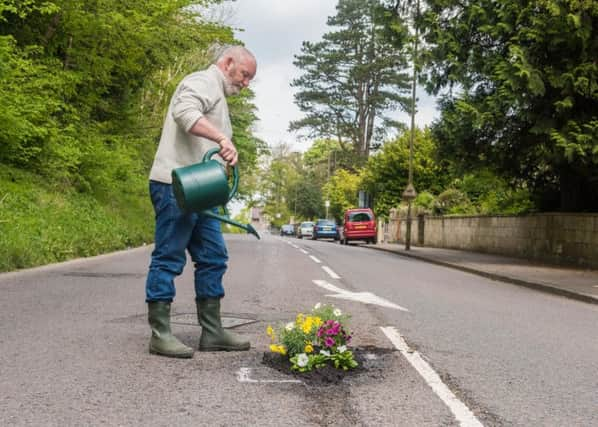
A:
x: 40, y: 225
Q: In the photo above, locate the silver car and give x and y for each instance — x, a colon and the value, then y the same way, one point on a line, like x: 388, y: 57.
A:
x: 305, y: 229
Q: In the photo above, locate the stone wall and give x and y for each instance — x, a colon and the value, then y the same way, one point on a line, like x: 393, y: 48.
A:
x: 558, y: 238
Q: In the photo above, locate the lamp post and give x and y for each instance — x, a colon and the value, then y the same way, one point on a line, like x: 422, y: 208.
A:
x: 409, y: 194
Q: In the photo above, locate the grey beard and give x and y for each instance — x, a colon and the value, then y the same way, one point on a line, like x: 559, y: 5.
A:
x: 230, y: 89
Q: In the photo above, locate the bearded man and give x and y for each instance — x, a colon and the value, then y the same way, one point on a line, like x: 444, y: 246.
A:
x: 197, y: 121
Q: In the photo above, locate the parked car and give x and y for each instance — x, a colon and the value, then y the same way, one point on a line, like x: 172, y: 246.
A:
x: 287, y: 230
x: 305, y: 229
x: 359, y: 224
x: 325, y: 229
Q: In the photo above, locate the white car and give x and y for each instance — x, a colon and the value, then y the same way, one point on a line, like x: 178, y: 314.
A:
x: 305, y: 229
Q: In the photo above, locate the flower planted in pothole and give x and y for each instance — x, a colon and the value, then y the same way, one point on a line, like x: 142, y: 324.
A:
x: 315, y: 340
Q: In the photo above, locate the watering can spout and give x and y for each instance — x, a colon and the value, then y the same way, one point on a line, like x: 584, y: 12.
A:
x: 247, y: 227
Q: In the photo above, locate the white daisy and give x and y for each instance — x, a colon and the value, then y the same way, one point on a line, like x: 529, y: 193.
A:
x: 302, y: 360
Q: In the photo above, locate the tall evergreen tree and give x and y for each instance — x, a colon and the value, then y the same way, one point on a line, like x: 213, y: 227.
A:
x: 526, y: 92
x: 352, y: 79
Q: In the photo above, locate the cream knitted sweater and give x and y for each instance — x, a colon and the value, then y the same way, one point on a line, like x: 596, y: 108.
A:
x: 200, y: 94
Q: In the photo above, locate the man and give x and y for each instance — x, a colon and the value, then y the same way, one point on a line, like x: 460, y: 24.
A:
x: 197, y: 121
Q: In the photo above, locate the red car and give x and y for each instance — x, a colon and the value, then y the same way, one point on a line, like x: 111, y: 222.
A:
x: 359, y: 224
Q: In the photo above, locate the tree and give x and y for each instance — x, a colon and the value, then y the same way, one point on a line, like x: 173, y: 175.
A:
x: 526, y: 92
x: 352, y: 79
x: 84, y: 86
x: 386, y: 172
x: 342, y: 192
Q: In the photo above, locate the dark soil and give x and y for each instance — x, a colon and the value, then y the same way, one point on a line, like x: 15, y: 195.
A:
x: 372, y: 361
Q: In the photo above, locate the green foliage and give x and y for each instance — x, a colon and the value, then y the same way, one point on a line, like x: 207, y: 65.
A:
x: 275, y: 181
x: 84, y: 87
x: 249, y: 147
x: 291, y: 184
x: 342, y: 192
x: 314, y: 361
x: 352, y: 79
x: 493, y: 195
x: 308, y: 199
x: 528, y: 99
x: 453, y: 202
x: 76, y: 79
x: 425, y: 200
x: 386, y: 173
x: 40, y: 226
x: 482, y: 192
x: 344, y: 360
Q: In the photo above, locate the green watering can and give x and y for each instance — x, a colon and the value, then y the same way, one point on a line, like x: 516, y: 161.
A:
x: 204, y: 186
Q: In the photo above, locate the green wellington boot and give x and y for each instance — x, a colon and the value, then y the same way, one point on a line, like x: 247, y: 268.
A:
x: 162, y: 341
x: 213, y: 336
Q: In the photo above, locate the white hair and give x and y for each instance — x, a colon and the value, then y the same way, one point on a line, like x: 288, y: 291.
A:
x: 232, y: 51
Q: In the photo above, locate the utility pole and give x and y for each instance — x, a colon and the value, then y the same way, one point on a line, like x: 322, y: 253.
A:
x: 409, y: 194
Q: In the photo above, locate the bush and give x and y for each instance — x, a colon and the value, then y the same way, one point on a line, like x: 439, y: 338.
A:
x: 453, y: 202
x: 425, y: 201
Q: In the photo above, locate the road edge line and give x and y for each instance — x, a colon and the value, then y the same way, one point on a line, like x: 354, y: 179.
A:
x: 461, y: 412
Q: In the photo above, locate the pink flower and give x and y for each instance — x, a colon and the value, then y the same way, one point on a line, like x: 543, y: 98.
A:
x: 336, y: 328
x: 329, y: 342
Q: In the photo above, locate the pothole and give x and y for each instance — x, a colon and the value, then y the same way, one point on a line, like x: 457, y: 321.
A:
x: 373, y: 362
x: 228, y: 321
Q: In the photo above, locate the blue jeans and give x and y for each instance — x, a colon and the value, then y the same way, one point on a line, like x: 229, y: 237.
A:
x: 176, y: 232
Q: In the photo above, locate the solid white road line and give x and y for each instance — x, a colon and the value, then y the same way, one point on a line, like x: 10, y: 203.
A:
x: 330, y: 272
x: 316, y: 260
x: 364, y: 297
x: 462, y: 413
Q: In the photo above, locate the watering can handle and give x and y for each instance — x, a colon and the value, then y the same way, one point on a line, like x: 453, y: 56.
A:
x: 233, y: 191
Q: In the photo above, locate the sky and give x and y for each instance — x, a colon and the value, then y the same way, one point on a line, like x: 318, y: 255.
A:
x: 274, y: 31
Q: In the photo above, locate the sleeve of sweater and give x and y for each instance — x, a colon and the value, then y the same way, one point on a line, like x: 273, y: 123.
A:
x: 192, y: 100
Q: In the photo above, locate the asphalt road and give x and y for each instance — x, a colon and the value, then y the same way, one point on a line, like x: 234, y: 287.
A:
x: 73, y: 345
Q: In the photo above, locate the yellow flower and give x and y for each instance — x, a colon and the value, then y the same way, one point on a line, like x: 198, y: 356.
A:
x: 317, y: 321
x: 270, y: 331
x: 278, y: 349
x: 308, y: 348
x: 307, y: 325
x: 300, y: 319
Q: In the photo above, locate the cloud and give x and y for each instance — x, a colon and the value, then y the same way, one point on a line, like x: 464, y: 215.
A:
x: 274, y: 31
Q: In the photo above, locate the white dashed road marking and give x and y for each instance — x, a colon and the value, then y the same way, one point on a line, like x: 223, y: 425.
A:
x: 330, y: 272
x: 364, y: 297
x: 314, y: 259
x: 304, y: 251
x: 462, y: 413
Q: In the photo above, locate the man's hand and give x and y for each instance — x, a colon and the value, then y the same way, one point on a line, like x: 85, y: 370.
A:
x: 228, y: 151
